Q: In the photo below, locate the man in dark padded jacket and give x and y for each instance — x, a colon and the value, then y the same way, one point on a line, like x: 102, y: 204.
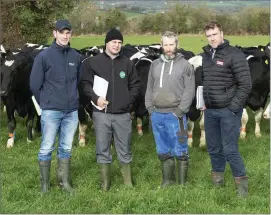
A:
x: 226, y: 86
x: 54, y: 80
x: 113, y: 118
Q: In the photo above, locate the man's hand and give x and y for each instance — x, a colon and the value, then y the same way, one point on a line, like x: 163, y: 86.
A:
x: 203, y: 108
x: 101, y: 102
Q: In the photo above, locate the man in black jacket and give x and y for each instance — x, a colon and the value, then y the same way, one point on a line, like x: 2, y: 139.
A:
x: 112, y: 116
x: 226, y: 86
x: 54, y: 79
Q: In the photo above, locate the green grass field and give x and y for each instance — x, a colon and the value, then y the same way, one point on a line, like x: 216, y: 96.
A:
x: 188, y: 42
x: 20, y: 190
x: 131, y: 15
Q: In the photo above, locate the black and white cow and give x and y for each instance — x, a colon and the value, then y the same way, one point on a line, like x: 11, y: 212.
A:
x: 259, y: 64
x: 266, y: 113
x: 15, y: 91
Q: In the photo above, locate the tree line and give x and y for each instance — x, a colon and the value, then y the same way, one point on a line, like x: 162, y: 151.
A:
x: 33, y: 21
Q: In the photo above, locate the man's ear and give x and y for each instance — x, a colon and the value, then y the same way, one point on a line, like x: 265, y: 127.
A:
x: 54, y: 33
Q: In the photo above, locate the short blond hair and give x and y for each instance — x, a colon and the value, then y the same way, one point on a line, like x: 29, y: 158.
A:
x: 170, y: 34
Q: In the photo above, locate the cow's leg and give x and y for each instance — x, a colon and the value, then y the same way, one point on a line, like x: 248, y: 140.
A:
x: 139, y: 126
x: 266, y: 113
x: 38, y: 125
x: 11, y: 126
x: 82, y: 134
x: 202, y: 131
x: 244, y: 121
x: 29, y: 123
x: 132, y: 115
x: 190, y: 128
x: 258, y: 118
x: 82, y: 126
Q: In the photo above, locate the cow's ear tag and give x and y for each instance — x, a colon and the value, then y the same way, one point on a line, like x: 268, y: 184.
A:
x: 266, y: 62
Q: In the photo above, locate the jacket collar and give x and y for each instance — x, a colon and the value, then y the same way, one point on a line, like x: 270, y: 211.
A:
x: 104, y: 52
x: 59, y: 48
x: 208, y: 48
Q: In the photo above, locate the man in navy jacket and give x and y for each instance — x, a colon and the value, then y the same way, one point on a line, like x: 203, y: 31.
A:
x: 53, y: 81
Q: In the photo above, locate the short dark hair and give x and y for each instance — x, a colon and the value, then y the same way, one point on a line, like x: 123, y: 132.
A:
x: 212, y: 24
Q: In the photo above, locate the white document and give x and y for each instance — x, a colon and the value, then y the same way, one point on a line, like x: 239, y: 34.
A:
x: 36, y: 105
x: 199, y: 98
x: 100, y: 87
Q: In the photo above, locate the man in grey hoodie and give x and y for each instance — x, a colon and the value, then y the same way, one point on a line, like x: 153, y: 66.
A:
x: 170, y: 92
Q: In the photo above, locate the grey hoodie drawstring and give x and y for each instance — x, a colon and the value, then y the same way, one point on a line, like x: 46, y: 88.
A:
x: 162, y: 72
x: 161, y: 75
x: 171, y: 66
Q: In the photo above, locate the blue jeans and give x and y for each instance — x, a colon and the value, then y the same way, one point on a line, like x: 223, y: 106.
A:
x: 222, y: 129
x: 53, y: 123
x: 170, y: 135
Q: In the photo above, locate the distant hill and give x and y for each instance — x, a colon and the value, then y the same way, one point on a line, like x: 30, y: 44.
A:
x: 134, y: 8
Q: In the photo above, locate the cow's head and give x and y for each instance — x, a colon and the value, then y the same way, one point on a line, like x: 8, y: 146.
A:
x: 8, y: 71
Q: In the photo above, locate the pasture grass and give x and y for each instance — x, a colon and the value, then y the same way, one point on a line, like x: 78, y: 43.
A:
x: 21, y: 185
x: 188, y: 42
x: 131, y: 15
x: 19, y: 171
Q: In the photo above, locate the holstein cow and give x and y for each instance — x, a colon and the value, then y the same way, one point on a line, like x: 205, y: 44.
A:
x: 142, y: 66
x: 15, y: 92
x: 260, y: 77
x: 266, y: 113
x: 194, y: 114
x: 259, y: 64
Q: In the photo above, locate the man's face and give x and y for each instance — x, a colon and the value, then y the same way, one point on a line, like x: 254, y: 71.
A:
x: 169, y: 46
x: 214, y: 37
x: 113, y: 46
x: 62, y: 37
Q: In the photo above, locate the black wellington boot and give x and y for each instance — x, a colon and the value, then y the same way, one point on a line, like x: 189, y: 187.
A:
x: 242, y: 185
x: 217, y: 178
x: 64, y: 174
x: 105, y: 176
x: 126, y: 174
x: 182, y: 170
x: 45, y: 175
x: 168, y: 172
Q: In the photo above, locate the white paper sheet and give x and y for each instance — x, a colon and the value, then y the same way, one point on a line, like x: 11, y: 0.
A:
x: 100, y: 87
x: 199, y: 97
x: 36, y: 105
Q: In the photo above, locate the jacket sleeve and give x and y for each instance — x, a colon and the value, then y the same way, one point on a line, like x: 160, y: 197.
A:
x: 149, y: 91
x: 37, y: 77
x: 133, y: 82
x: 189, y: 91
x: 241, y: 73
x: 86, y: 83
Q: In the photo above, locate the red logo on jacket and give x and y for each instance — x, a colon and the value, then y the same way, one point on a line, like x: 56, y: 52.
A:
x: 219, y: 62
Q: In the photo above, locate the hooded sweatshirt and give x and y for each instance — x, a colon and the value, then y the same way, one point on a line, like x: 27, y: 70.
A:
x: 171, y: 86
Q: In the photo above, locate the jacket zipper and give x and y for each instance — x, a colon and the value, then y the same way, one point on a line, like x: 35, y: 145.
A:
x: 208, y: 98
x: 113, y: 80
x: 65, y: 64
